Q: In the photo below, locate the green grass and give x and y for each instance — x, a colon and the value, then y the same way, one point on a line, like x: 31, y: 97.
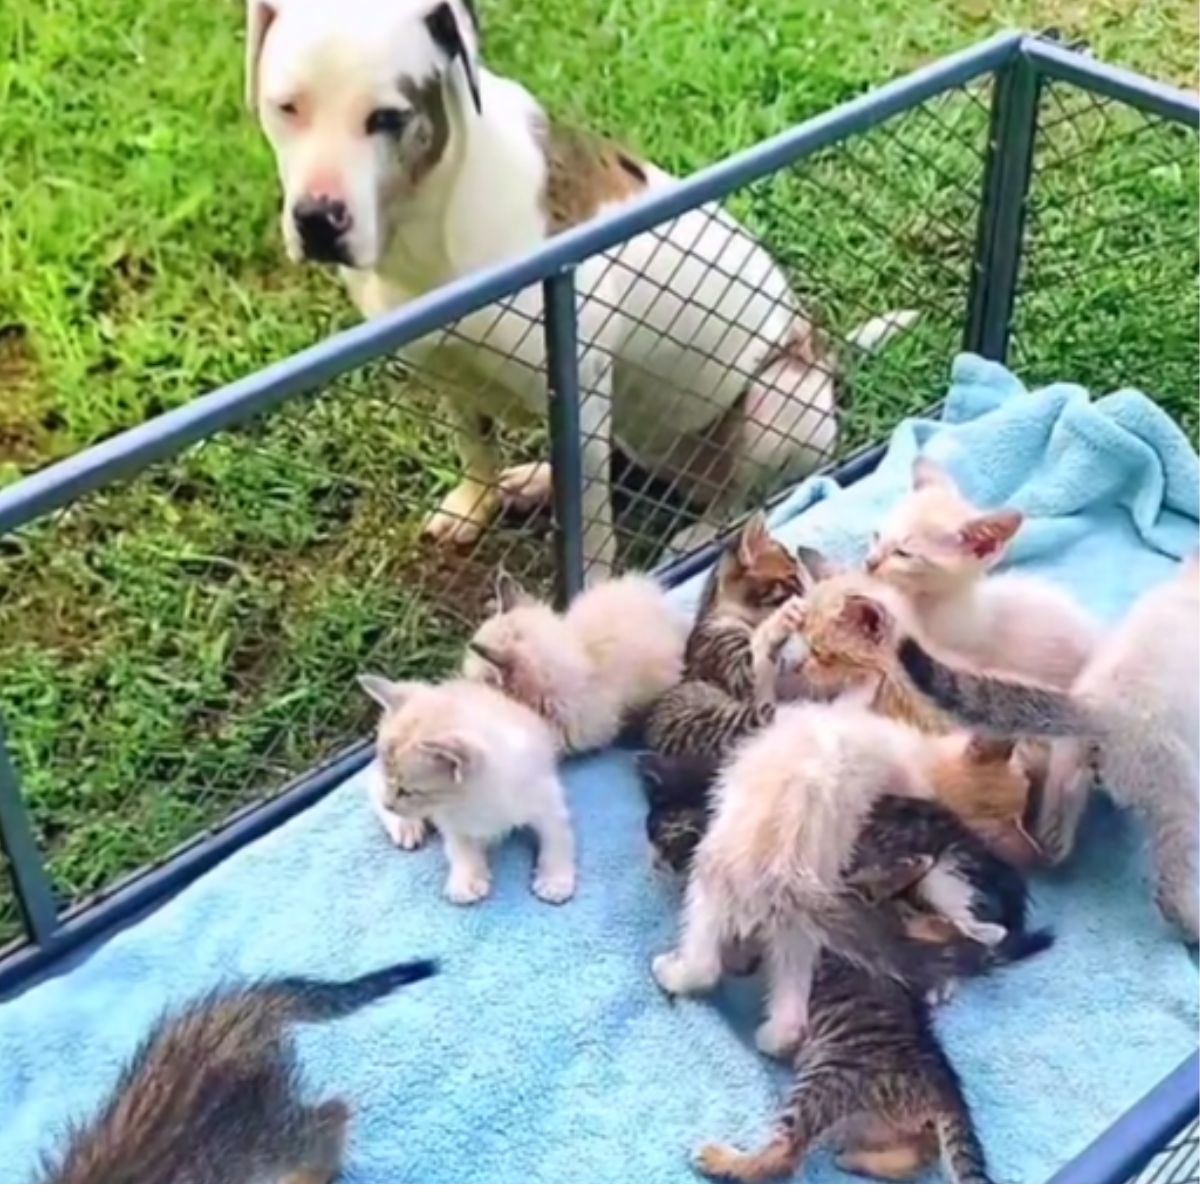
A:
x: 179, y: 645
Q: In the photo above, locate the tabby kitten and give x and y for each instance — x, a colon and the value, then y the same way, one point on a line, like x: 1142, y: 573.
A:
x: 215, y: 1093
x: 871, y: 1077
x: 731, y: 659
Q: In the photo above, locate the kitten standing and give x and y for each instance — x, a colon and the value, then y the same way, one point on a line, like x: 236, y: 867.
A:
x: 788, y: 810
x: 476, y: 765
x: 731, y: 660
x: 1132, y: 721
x: 936, y: 549
x: 617, y: 648
x: 214, y: 1094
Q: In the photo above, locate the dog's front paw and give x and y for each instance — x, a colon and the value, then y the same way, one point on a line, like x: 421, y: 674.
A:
x: 464, y: 514
x: 467, y: 887
x: 777, y: 1039
x: 555, y: 887
x: 526, y: 487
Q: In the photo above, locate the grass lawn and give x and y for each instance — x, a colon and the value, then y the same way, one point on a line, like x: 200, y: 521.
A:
x: 185, y: 642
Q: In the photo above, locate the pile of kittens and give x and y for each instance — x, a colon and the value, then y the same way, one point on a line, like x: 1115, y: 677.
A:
x: 849, y: 770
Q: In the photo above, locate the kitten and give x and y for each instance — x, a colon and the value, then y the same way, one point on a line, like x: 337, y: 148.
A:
x: 907, y: 848
x: 787, y: 812
x: 1131, y: 721
x: 477, y: 765
x: 872, y: 1077
x: 214, y: 1093
x: 936, y: 549
x: 731, y: 659
x: 847, y: 634
x: 617, y: 648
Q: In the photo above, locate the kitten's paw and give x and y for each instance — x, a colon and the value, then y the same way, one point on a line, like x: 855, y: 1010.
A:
x: 1179, y: 911
x: 671, y: 974
x: 554, y: 887
x: 463, y: 515
x: 467, y: 887
x: 776, y: 1039
x: 988, y: 933
x: 406, y: 832
x: 717, y: 1162
x: 524, y: 488
x: 942, y: 993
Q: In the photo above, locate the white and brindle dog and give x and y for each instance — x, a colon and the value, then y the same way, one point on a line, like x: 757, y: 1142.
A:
x: 409, y: 165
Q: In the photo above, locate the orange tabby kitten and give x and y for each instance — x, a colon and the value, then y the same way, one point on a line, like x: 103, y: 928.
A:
x: 936, y: 549
x: 848, y: 629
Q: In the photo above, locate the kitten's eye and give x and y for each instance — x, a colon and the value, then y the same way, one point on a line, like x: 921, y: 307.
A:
x: 387, y: 120
x: 289, y: 109
x: 899, y: 553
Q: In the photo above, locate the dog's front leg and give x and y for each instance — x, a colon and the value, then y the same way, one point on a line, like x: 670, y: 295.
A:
x: 595, y: 427
x: 470, y: 507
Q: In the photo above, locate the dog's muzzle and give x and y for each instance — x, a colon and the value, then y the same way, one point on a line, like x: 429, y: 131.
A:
x: 322, y: 224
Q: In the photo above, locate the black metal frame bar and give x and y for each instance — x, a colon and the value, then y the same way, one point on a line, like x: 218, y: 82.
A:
x: 1019, y: 63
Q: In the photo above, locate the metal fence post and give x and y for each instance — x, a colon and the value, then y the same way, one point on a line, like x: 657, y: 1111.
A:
x: 30, y: 881
x: 1007, y: 173
x: 566, y: 446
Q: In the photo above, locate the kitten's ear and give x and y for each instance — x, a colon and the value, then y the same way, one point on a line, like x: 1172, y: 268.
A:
x: 452, y: 753
x: 927, y: 473
x: 868, y: 617
x: 388, y: 695
x: 988, y: 535
x: 509, y: 593
x: 814, y: 565
x: 983, y: 749
x: 753, y: 539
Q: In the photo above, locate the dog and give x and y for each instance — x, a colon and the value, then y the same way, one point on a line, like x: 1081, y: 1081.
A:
x: 407, y: 164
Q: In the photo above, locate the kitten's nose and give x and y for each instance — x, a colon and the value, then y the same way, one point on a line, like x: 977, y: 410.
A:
x: 873, y: 559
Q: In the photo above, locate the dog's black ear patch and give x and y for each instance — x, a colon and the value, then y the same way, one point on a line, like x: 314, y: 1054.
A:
x: 443, y: 28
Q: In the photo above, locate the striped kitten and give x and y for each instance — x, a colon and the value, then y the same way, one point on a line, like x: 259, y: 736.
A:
x: 214, y: 1094
x: 872, y: 1078
x: 1130, y: 723
x: 731, y: 660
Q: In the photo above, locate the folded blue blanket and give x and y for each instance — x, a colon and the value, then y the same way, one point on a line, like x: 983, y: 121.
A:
x: 544, y: 1052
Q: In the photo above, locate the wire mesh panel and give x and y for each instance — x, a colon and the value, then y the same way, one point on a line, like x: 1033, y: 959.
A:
x: 1108, y: 290
x: 1178, y: 1162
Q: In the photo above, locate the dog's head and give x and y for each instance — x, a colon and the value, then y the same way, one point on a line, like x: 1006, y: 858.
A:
x: 359, y: 99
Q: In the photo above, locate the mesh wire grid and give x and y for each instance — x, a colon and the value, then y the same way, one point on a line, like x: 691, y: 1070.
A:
x: 1176, y: 1162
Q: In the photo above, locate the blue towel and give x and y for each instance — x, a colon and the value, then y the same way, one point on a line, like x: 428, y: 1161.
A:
x: 544, y: 1053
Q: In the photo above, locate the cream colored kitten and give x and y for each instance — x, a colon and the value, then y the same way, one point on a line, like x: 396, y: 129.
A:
x: 617, y: 648
x: 937, y: 548
x: 1131, y: 722
x: 476, y: 765
x: 787, y: 812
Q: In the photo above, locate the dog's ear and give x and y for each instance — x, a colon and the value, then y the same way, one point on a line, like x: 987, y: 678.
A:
x: 444, y: 28
x: 259, y: 15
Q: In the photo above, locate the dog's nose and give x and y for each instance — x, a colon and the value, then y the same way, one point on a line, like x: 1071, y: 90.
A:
x: 322, y: 222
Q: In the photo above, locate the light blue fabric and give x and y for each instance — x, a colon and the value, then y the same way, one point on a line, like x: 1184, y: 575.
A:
x: 544, y: 1052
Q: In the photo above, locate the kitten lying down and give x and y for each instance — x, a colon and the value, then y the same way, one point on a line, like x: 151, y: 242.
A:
x: 476, y: 765
x: 1131, y: 722
x: 617, y: 648
x: 788, y: 811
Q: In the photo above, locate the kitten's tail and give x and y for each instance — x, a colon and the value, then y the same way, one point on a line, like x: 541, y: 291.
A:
x: 874, y: 334
x: 996, y: 704
x: 300, y: 998
x: 962, y: 1154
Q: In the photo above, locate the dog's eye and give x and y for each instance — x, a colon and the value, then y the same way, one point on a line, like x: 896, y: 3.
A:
x: 387, y: 120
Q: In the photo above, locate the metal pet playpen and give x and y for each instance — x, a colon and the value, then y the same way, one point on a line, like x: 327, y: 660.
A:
x: 998, y: 190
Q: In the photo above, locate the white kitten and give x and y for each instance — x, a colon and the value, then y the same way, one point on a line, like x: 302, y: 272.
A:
x: 788, y: 810
x: 617, y: 648
x: 476, y: 765
x: 936, y: 549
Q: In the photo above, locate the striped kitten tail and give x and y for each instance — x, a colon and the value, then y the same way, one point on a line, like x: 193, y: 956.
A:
x: 304, y: 999
x: 995, y: 704
x: 962, y: 1154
